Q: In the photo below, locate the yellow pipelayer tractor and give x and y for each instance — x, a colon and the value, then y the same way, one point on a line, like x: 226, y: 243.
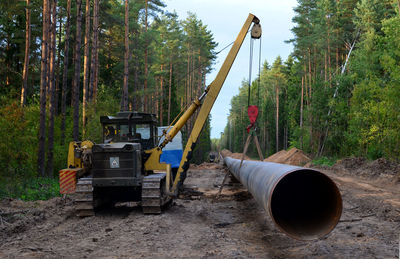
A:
x: 127, y: 167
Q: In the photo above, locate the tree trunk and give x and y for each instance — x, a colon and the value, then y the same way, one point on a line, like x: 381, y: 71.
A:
x: 187, y: 84
x: 145, y: 60
x: 43, y: 86
x: 93, y: 62
x: 65, y: 72
x: 199, y: 74
x: 169, y: 90
x: 161, y: 95
x: 136, y: 98
x: 76, y: 79
x: 190, y: 122
x: 325, y: 68
x: 124, y: 104
x: 188, y: 77
x: 285, y: 133
x: 58, y: 66
x: 50, y: 143
x: 337, y: 52
x: 315, y: 63
x: 305, y: 82
x: 192, y: 79
x: 277, y: 118
x: 26, y: 60
x: 268, y: 142
x: 329, y: 56
x: 96, y: 68
x: 86, y: 63
x: 301, y: 112
x: 8, y: 66
x: 264, y: 139
x: 309, y: 75
x: 48, y: 50
x: 310, y: 91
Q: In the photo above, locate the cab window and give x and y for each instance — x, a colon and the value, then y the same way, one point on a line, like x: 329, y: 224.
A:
x: 124, y: 132
x: 144, y: 131
x: 110, y: 133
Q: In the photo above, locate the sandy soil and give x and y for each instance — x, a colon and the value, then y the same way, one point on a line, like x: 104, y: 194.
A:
x: 293, y: 156
x: 200, y: 226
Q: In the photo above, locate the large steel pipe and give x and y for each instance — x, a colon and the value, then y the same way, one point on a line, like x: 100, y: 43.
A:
x: 304, y: 203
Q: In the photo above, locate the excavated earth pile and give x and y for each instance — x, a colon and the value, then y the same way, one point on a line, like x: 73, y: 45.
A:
x: 226, y: 152
x: 292, y: 157
x: 380, y: 168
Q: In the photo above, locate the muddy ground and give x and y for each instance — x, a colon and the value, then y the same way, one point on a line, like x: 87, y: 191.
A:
x: 199, y: 226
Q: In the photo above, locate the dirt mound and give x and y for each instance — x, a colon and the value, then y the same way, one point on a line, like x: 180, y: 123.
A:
x: 278, y: 157
x: 17, y: 216
x: 292, y: 157
x: 371, y: 169
x: 351, y: 163
x: 297, y: 157
x: 384, y: 166
x: 226, y: 152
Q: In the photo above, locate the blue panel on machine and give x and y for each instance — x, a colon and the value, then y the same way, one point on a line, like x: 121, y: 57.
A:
x: 173, y: 151
x: 172, y: 157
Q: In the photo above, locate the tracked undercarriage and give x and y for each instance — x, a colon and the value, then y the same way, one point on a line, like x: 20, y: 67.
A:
x: 83, y: 198
x: 153, y: 196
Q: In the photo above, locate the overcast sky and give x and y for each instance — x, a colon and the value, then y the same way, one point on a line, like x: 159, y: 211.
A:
x: 225, y: 18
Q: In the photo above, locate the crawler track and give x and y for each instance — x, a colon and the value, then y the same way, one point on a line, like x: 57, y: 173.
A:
x: 83, y: 198
x: 154, y: 197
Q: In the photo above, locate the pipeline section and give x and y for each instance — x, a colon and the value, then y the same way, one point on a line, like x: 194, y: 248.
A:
x: 303, y: 203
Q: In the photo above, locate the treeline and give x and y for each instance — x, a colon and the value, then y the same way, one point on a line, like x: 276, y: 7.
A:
x: 64, y: 63
x: 338, y: 93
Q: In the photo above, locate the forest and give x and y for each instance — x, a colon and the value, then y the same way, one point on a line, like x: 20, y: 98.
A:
x: 65, y: 63
x: 337, y: 94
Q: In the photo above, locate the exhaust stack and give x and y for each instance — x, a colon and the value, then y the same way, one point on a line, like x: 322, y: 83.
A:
x: 303, y: 203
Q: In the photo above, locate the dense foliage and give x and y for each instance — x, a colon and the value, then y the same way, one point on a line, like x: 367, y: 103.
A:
x: 168, y: 62
x: 328, y: 106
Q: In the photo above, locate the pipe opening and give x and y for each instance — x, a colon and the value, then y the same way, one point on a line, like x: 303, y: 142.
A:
x: 306, y: 204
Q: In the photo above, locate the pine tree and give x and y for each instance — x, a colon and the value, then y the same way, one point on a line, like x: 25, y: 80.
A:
x: 27, y: 47
x: 65, y: 71
x: 77, y: 70
x: 50, y: 144
x: 43, y: 86
x: 124, y: 103
x: 94, y: 66
x: 86, y: 64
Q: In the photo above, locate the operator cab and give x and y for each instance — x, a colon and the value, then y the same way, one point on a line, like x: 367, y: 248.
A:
x: 135, y: 127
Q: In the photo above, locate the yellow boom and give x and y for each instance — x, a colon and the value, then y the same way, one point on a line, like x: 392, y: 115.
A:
x: 209, y: 96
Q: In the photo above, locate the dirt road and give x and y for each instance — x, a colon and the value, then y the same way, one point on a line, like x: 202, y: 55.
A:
x: 198, y: 226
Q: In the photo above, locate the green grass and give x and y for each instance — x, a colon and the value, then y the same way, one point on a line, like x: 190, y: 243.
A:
x: 29, y: 189
x: 325, y: 161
